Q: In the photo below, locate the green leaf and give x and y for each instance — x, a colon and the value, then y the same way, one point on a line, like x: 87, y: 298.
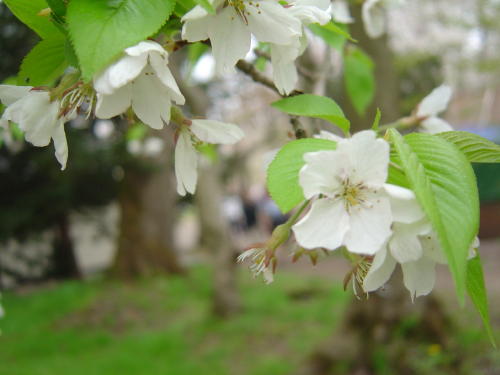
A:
x: 102, y: 29
x: 283, y: 172
x: 477, y: 149
x: 314, y: 106
x: 184, y: 6
x: 477, y: 293
x: 44, y: 63
x: 27, y: 11
x: 376, y: 121
x: 333, y: 34
x: 206, y: 5
x: 445, y: 186
x: 359, y: 79
x: 58, y: 7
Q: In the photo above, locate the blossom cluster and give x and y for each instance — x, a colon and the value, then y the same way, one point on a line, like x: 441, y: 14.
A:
x: 141, y: 79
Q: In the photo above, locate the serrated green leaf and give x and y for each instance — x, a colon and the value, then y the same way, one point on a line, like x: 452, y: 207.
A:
x: 445, y: 186
x: 101, y: 30
x: 27, y: 11
x: 477, y: 293
x: 206, y: 5
x: 58, y: 7
x: 314, y: 106
x: 44, y: 63
x: 359, y: 79
x: 283, y: 172
x: 477, y: 149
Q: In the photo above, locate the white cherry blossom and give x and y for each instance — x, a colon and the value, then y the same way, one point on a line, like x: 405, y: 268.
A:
x: 430, y: 107
x: 283, y: 56
x: 230, y: 29
x: 415, y: 246
x: 354, y: 202
x: 261, y: 265
x: 37, y: 116
x: 340, y: 12
x: 141, y: 78
x: 186, y: 156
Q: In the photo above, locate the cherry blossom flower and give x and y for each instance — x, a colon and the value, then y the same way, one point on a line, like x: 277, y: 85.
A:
x: 340, y: 12
x: 230, y: 29
x: 141, y: 78
x: 354, y: 202
x: 429, y: 109
x: 415, y: 246
x: 186, y: 156
x: 37, y: 116
x: 283, y: 56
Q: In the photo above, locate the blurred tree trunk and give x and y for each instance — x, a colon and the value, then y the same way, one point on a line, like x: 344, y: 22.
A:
x: 371, y: 325
x: 147, y: 201
x: 64, y: 262
x: 215, y: 230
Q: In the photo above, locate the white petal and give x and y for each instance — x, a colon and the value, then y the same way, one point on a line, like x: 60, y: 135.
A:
x: 61, y: 145
x: 216, y: 132
x: 311, y: 11
x: 228, y: 47
x: 404, y: 205
x: 373, y: 18
x: 432, y: 248
x: 196, y: 24
x: 369, y: 157
x: 284, y: 71
x: 340, y: 12
x: 323, y: 134
x: 146, y: 48
x: 115, y: 104
x: 436, y: 102
x: 270, y: 22
x: 433, y: 125
x: 405, y: 245
x: 186, y: 164
x: 419, y: 277
x: 315, y: 179
x: 39, y: 118
x: 380, y: 271
x: 323, y: 226
x: 151, y: 100
x: 11, y: 93
x: 369, y: 226
x: 120, y: 73
x: 159, y: 65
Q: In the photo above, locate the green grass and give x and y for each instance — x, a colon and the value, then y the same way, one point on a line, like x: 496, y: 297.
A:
x: 165, y: 326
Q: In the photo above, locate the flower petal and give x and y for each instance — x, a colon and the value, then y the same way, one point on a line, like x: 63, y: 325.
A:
x: 436, y: 102
x: 120, y: 73
x: 159, y: 65
x: 216, y: 132
x: 369, y: 157
x: 404, y: 205
x: 323, y: 226
x: 405, y: 245
x: 369, y: 225
x: 270, y: 22
x: 315, y: 179
x: 186, y: 163
x: 61, y: 145
x: 433, y: 125
x: 228, y: 47
x: 284, y: 71
x: 115, y: 104
x: 340, y: 12
x: 196, y: 24
x: 11, y: 93
x: 323, y: 134
x: 380, y: 271
x: 419, y: 277
x: 151, y: 100
x: 373, y: 18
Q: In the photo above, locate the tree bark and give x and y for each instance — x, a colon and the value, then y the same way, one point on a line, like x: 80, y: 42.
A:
x: 147, y: 201
x: 64, y: 262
